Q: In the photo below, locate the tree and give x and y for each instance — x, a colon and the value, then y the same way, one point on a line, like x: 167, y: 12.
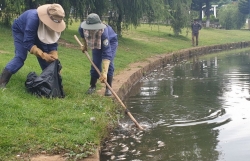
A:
x: 197, y: 6
x: 179, y: 14
x: 231, y: 18
x: 128, y: 12
x: 244, y: 6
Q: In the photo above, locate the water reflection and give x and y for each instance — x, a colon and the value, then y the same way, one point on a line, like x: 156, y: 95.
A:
x: 198, y: 110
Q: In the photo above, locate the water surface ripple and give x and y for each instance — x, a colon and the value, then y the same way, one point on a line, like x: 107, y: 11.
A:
x: 197, y: 110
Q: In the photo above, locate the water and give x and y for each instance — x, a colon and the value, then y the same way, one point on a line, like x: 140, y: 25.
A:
x: 197, y: 110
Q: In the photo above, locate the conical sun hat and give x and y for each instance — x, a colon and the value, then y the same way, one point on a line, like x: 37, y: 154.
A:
x: 93, y: 22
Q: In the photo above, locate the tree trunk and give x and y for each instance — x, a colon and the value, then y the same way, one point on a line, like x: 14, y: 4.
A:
x: 119, y: 25
x: 207, y: 13
x: 248, y: 20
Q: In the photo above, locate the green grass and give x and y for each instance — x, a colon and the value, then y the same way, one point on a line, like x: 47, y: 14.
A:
x: 30, y: 125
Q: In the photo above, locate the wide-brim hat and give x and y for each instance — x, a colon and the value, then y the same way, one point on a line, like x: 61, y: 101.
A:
x: 92, y: 22
x: 52, y: 16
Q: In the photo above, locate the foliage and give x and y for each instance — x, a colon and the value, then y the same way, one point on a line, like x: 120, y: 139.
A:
x: 180, y: 17
x: 231, y: 18
x: 212, y: 19
x: 244, y: 6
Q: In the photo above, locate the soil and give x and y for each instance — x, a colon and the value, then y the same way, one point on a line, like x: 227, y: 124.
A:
x: 4, y: 52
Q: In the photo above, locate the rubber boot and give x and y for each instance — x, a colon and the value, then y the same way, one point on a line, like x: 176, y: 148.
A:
x: 107, y: 91
x: 4, y: 78
x: 92, y: 87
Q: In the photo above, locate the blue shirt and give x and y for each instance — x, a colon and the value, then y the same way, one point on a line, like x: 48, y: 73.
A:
x: 27, y: 24
x: 106, y: 48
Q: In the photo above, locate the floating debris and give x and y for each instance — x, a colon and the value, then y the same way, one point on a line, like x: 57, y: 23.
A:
x: 121, y: 156
x: 108, y: 153
x: 125, y: 149
x: 160, y: 144
x: 153, y: 150
x: 112, y: 157
x: 121, y: 159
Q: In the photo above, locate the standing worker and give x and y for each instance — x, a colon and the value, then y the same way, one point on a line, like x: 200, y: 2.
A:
x: 196, y: 27
x: 103, y: 41
x: 36, y: 31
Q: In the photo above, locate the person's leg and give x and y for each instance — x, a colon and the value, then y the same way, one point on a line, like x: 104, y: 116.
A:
x: 97, y: 60
x: 111, y: 70
x: 43, y: 64
x: 197, y: 38
x: 4, y: 78
x: 193, y: 39
x: 17, y: 62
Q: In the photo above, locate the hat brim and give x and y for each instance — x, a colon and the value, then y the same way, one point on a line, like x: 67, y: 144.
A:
x: 98, y: 26
x: 44, y: 17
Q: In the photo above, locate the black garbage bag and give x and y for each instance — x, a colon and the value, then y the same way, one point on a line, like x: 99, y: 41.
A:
x: 48, y: 84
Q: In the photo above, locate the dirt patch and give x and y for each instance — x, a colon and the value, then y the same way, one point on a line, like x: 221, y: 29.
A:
x: 4, y: 52
x: 94, y: 157
x: 67, y: 44
x: 47, y: 158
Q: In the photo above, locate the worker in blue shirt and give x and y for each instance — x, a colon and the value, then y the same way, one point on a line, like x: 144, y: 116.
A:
x: 103, y: 41
x: 36, y: 31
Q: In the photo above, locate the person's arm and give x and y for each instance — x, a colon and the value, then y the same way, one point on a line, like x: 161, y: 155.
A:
x: 85, y: 47
x: 53, y: 50
x: 30, y: 30
x: 105, y: 45
x: 30, y: 34
x: 106, y: 54
x: 80, y: 31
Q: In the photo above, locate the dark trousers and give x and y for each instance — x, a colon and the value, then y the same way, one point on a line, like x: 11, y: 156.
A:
x: 196, y: 37
x: 97, y: 60
x: 20, y: 55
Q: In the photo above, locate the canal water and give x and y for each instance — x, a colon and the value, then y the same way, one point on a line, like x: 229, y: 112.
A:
x: 196, y: 110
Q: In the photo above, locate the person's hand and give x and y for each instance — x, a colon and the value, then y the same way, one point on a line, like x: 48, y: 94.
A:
x: 54, y: 54
x: 105, y: 68
x: 48, y: 58
x: 103, y: 77
x: 39, y: 53
x: 84, y: 47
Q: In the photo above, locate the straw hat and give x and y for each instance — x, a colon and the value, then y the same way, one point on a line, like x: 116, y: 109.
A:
x: 92, y: 22
x: 52, y: 16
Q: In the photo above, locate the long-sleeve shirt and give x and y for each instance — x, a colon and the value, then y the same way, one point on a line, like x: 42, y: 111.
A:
x: 106, y: 48
x: 195, y: 27
x: 27, y: 25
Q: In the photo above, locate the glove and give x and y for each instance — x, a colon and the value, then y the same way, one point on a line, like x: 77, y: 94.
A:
x: 105, y: 68
x: 84, y: 47
x: 54, y: 54
x: 39, y: 53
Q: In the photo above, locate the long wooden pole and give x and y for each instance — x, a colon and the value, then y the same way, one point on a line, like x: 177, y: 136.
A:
x: 113, y: 92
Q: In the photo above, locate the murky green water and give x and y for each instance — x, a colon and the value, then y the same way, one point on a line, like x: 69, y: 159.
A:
x: 198, y: 110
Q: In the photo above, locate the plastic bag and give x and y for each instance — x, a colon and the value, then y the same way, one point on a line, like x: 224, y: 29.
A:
x: 48, y: 84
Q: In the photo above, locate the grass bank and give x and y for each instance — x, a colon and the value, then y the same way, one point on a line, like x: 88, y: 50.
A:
x: 75, y: 126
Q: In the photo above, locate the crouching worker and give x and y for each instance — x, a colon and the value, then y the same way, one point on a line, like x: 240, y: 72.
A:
x: 102, y: 39
x: 36, y: 31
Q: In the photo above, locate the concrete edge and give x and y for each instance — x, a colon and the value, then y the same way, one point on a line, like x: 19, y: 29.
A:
x: 159, y: 61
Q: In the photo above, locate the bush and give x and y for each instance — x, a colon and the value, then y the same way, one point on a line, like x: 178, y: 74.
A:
x: 231, y: 18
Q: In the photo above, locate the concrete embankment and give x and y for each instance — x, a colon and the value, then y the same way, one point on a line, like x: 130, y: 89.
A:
x: 124, y: 81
